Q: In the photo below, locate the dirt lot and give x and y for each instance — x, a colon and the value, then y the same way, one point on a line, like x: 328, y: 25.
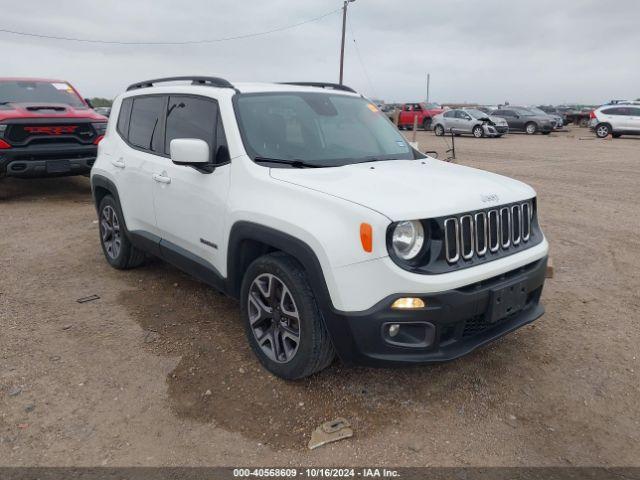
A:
x: 157, y: 370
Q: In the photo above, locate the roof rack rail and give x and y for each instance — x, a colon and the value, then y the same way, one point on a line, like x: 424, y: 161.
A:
x: 209, y: 81
x: 333, y: 86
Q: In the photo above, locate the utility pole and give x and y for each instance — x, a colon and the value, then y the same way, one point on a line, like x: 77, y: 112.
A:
x: 344, y: 28
x: 428, y: 85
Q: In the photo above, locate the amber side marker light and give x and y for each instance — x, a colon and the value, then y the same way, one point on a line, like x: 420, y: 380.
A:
x: 366, y: 237
x: 408, y: 303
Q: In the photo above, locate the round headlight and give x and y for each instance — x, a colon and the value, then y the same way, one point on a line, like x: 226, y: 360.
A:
x: 407, y: 239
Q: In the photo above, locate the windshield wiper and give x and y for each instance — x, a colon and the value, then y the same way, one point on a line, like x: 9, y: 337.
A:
x: 294, y: 163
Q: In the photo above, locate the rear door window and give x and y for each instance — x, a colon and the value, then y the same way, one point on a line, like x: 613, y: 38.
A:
x: 146, y: 124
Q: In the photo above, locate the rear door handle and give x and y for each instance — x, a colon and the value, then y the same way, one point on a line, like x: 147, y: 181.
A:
x: 118, y: 163
x: 161, y: 178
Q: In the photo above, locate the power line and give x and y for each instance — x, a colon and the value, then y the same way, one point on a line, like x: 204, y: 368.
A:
x: 186, y: 42
x: 364, y: 68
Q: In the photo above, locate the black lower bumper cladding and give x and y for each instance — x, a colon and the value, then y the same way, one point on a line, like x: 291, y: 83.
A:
x: 49, y: 161
x: 455, y: 322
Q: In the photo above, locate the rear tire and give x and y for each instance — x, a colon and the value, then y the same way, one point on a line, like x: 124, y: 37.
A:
x: 117, y: 249
x: 282, y: 320
x: 603, y: 130
x: 531, y: 128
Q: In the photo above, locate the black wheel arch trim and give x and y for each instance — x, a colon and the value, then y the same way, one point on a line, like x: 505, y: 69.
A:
x: 103, y: 182
x: 243, y: 231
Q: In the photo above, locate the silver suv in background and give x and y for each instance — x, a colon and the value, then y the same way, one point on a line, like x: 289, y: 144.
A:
x: 471, y: 121
x: 615, y: 120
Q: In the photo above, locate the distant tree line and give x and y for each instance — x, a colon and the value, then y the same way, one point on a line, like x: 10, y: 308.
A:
x: 100, y: 102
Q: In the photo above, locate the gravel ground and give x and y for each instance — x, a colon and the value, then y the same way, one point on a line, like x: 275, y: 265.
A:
x: 157, y: 370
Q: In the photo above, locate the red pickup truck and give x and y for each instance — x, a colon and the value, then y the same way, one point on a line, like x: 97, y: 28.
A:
x: 425, y: 112
x: 46, y: 129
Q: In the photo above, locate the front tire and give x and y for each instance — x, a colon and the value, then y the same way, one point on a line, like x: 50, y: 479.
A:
x: 478, y: 131
x: 439, y: 130
x: 117, y: 248
x: 426, y: 124
x: 282, y: 320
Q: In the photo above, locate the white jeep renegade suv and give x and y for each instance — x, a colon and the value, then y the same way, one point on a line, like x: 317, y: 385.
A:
x: 304, y: 202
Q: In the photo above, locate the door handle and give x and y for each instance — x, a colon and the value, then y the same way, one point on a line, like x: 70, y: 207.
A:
x: 161, y: 178
x: 118, y: 163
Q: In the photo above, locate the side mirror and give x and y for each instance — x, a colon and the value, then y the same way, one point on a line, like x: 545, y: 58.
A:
x: 189, y: 151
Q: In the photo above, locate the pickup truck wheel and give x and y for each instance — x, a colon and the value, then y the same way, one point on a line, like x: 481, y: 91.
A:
x: 282, y: 321
x: 117, y: 248
x: 439, y: 130
x: 478, y: 131
x: 426, y: 124
x: 603, y: 130
x: 531, y: 128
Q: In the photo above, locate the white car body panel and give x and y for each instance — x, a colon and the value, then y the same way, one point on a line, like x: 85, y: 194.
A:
x: 413, y: 189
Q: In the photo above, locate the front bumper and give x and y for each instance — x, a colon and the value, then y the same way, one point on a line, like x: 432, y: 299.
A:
x: 47, y: 161
x: 456, y: 322
x: 495, y: 130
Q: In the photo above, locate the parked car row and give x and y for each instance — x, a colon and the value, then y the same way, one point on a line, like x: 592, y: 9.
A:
x: 469, y: 121
x: 494, y: 122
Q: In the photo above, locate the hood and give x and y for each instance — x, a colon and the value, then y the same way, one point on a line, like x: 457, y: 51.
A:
x: 35, y: 110
x: 497, y: 120
x: 410, y: 189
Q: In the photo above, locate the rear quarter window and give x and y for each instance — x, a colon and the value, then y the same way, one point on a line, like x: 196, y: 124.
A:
x: 123, y: 118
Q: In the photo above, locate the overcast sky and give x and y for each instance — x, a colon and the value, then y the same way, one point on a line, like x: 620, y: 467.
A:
x: 489, y: 51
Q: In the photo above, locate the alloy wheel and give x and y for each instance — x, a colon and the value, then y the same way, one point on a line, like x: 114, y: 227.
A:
x: 531, y: 129
x: 602, y: 131
x: 274, y: 318
x: 477, y: 132
x: 110, y: 232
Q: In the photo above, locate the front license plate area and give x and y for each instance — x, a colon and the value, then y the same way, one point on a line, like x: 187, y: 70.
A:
x: 506, y: 301
x: 58, y: 166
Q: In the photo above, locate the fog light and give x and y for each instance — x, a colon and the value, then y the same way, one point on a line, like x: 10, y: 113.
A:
x: 408, y: 303
x: 394, y: 329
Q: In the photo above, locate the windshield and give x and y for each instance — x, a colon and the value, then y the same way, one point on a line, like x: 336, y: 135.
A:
x: 39, y: 92
x: 317, y: 128
x: 476, y: 113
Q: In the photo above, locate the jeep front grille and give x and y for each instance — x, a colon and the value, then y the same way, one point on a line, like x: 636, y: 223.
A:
x: 467, y: 236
